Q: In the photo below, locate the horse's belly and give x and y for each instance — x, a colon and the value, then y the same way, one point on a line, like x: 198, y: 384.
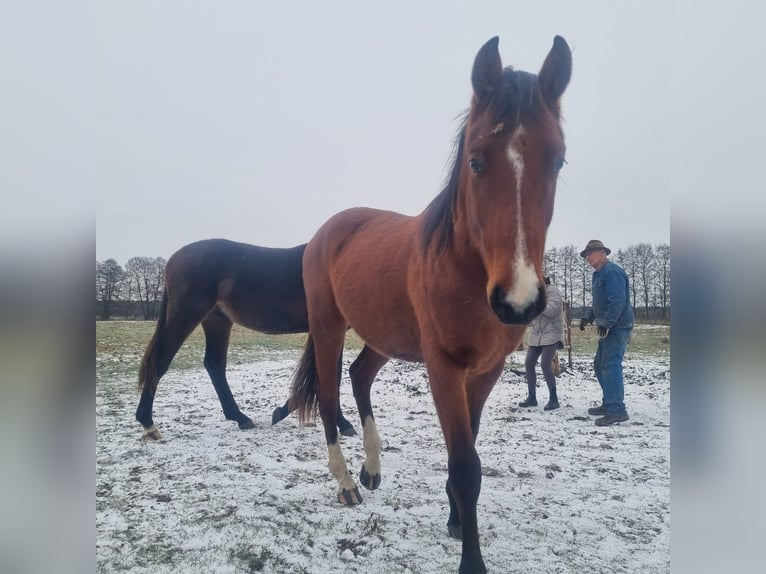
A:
x: 397, y: 349
x: 392, y: 333
x: 271, y: 319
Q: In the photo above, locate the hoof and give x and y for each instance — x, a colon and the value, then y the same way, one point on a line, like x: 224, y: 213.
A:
x: 455, y: 531
x: 350, y: 497
x: 369, y: 482
x: 246, y: 424
x: 347, y: 431
x: 467, y: 567
x: 278, y: 414
x: 151, y: 434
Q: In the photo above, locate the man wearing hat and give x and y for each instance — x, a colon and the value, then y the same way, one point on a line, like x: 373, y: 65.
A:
x: 613, y: 315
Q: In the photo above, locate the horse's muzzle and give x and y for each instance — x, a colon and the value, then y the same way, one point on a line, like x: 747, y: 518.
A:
x: 511, y: 315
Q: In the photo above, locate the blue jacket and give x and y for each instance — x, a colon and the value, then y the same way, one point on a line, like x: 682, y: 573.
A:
x: 611, y: 298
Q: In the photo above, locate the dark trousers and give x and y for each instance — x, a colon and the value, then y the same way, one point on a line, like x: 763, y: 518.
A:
x: 533, y: 353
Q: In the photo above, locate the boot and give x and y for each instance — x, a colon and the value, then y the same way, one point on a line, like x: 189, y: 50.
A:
x: 607, y: 420
x: 553, y: 401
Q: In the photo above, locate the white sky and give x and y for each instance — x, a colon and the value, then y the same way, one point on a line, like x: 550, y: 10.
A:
x: 256, y: 121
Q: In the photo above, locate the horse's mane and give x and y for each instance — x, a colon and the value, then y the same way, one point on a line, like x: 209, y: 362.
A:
x: 519, y: 97
x: 438, y: 221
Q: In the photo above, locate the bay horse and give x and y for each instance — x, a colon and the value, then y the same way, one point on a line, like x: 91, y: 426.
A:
x: 218, y: 282
x: 453, y: 287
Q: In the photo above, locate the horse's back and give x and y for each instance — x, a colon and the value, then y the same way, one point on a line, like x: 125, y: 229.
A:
x: 258, y: 287
x: 211, y: 261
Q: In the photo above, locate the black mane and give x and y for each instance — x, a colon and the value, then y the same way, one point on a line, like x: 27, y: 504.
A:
x: 519, y: 97
x: 439, y: 213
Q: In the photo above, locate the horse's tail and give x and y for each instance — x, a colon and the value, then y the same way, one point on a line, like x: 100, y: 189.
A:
x: 147, y: 372
x: 305, y: 381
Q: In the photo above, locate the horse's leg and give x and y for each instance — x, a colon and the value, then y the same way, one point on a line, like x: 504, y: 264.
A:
x: 173, y: 328
x: 344, y: 426
x: 362, y: 372
x: 449, y: 387
x: 217, y: 327
x: 328, y: 344
x: 280, y: 413
x: 477, y: 391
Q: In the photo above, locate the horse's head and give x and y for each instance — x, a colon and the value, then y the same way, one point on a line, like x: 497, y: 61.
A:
x: 513, y: 149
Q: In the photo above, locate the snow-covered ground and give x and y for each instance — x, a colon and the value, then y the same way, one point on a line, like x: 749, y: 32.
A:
x: 558, y: 493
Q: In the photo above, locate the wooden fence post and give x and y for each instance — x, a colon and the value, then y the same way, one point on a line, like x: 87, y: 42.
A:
x: 568, y: 331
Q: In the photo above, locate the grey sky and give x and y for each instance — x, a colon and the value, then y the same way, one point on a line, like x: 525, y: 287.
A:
x: 257, y: 121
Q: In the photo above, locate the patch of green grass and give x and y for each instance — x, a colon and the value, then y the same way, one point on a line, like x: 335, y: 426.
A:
x: 646, y: 341
x: 120, y: 345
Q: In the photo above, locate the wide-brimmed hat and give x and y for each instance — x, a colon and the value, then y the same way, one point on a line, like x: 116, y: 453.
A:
x: 594, y: 245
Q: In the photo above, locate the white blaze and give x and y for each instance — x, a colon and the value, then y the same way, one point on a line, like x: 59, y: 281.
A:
x: 515, y: 157
x: 525, y: 285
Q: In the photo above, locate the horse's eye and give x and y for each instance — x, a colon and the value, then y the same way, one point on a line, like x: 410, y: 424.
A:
x: 559, y: 164
x: 475, y: 165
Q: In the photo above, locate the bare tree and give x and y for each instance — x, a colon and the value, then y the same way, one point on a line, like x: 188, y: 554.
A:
x: 645, y: 270
x: 146, y: 277
x: 159, y: 283
x: 628, y: 261
x: 127, y: 290
x: 564, y: 270
x: 662, y: 258
x: 551, y: 263
x: 584, y: 274
x: 108, y: 278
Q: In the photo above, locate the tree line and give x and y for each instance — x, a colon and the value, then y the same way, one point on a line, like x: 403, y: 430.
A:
x: 132, y: 292
x: 135, y: 291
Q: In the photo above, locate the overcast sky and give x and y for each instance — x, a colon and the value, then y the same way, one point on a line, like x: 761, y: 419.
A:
x: 257, y: 121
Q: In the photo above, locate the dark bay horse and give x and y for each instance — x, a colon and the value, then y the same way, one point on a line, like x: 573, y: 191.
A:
x: 453, y: 287
x: 217, y: 283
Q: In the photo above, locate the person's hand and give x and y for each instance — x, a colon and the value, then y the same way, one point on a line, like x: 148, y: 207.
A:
x: 602, y: 331
x: 583, y: 322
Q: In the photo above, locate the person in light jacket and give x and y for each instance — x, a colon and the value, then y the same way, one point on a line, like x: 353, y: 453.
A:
x: 546, y: 335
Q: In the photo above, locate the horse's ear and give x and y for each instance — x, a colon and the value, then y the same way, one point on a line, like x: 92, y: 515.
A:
x: 487, y: 70
x: 556, y: 71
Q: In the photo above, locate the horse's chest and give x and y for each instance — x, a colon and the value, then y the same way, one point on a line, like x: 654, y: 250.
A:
x: 482, y: 352
x: 476, y: 340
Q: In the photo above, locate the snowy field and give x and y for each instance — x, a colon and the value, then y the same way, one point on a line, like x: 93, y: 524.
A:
x: 558, y: 493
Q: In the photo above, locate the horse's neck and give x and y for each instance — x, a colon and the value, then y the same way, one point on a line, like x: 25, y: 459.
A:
x: 459, y: 259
